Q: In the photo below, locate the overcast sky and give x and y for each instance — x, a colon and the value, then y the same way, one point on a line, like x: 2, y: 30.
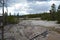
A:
x: 30, y: 6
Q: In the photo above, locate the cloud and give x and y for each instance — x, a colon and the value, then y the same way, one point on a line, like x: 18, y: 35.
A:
x: 30, y: 6
x: 13, y: 2
x: 19, y: 7
x: 56, y: 0
x: 37, y: 0
x: 38, y: 7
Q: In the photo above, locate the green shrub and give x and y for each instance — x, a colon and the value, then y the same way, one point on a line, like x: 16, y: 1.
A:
x: 12, y: 20
x: 46, y: 17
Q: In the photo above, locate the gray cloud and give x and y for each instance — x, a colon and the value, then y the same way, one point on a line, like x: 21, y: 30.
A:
x: 33, y: 6
x: 37, y: 0
x: 36, y: 8
x: 12, y: 2
x: 56, y: 0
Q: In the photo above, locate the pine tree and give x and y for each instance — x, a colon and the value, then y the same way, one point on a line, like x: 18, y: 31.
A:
x: 58, y: 10
x: 9, y: 14
x: 53, y: 11
x: 17, y: 14
x: 53, y: 8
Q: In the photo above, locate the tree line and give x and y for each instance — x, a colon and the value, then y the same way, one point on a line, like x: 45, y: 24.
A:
x: 54, y: 14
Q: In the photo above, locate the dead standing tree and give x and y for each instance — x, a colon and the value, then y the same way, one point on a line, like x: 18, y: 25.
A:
x: 2, y: 2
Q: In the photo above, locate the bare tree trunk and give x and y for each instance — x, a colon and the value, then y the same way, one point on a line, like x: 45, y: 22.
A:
x: 3, y: 20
